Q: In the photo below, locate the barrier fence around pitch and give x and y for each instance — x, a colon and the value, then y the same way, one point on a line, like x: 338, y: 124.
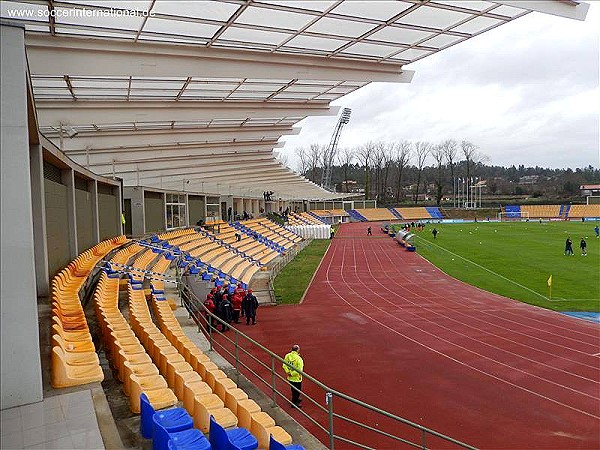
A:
x: 270, y: 377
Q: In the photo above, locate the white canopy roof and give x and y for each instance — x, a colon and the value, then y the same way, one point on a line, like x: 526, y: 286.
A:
x: 198, y: 93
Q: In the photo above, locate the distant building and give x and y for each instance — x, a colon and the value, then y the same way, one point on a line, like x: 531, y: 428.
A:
x: 529, y: 179
x: 588, y: 190
x: 351, y: 186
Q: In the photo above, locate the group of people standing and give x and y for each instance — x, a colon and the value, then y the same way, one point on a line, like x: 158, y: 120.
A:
x: 231, y: 306
x: 569, y: 247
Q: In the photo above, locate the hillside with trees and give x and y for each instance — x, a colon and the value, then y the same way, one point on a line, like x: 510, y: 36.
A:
x: 425, y: 173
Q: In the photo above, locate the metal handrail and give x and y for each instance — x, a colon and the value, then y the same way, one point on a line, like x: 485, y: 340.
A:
x: 201, y: 315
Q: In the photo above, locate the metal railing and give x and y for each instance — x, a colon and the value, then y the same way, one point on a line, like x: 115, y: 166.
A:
x: 339, y: 418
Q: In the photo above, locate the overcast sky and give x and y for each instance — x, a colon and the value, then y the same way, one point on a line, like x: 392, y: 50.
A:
x: 525, y: 93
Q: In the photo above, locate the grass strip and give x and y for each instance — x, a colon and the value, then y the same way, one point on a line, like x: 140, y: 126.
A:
x: 293, y: 280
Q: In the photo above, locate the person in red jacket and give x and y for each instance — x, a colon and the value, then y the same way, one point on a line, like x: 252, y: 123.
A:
x: 210, y: 305
x: 236, y: 303
x: 239, y: 290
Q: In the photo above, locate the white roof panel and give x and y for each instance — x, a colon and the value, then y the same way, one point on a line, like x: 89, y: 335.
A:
x: 340, y: 27
x: 429, y: 17
x: 372, y: 9
x: 253, y: 36
x: 199, y: 9
x: 272, y: 17
x: 178, y: 27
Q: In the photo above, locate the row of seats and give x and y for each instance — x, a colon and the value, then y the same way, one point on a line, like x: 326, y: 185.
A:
x: 231, y: 406
x: 273, y: 232
x: 295, y: 219
x: 310, y: 218
x: 579, y: 211
x: 74, y: 360
x: 330, y: 212
x: 126, y: 353
x: 414, y: 213
x: 376, y: 214
x: 212, y: 254
x: 541, y: 211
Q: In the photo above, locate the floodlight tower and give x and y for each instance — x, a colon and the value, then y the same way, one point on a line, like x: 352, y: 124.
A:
x: 331, y: 151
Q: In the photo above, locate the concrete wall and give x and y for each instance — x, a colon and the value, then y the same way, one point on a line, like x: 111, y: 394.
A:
x: 19, y: 347
x: 57, y: 226
x: 154, y: 212
x: 108, y: 205
x: 85, y: 220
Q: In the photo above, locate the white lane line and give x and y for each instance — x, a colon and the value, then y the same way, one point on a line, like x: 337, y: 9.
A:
x: 504, y: 278
x: 467, y: 325
x: 359, y: 311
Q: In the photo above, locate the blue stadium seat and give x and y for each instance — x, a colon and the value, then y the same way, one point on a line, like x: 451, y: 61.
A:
x: 147, y: 413
x: 166, y: 422
x: 233, y: 438
x: 274, y: 445
x: 191, y: 439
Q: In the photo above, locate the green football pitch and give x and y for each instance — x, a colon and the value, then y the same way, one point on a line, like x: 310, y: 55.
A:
x: 515, y: 259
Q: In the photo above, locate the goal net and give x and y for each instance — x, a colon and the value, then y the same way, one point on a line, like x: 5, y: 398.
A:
x: 513, y: 216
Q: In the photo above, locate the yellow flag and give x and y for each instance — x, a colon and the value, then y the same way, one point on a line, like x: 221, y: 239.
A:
x: 550, y: 281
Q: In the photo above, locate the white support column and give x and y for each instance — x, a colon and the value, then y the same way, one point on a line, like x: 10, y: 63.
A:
x: 187, y: 210
x: 19, y: 347
x: 93, y: 188
x: 38, y: 208
x: 68, y: 179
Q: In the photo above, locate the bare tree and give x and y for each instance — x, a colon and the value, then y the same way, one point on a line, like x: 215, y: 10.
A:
x: 315, y: 157
x: 364, y: 154
x: 387, y: 163
x: 450, y: 149
x: 284, y: 159
x: 439, y: 156
x: 345, y: 158
x: 422, y: 150
x: 402, y: 153
x: 469, y: 151
x: 302, y: 160
x: 473, y: 157
x: 378, y: 158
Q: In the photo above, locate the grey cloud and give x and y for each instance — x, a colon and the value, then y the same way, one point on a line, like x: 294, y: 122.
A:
x: 537, y: 77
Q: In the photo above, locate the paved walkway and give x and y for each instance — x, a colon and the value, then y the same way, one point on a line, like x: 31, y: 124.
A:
x: 66, y: 421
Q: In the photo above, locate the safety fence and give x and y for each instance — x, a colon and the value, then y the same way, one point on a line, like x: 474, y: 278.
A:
x: 333, y: 417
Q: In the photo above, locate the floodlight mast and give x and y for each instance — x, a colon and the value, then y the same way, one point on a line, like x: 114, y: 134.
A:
x: 331, y: 151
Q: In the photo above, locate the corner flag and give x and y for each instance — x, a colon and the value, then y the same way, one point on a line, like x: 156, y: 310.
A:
x: 550, y: 287
x: 550, y: 281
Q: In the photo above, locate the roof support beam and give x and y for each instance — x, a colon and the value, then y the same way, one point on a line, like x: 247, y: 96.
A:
x: 54, y: 113
x: 89, y: 57
x: 137, y: 171
x: 186, y: 171
x: 139, y: 139
x: 240, y: 178
x: 156, y: 161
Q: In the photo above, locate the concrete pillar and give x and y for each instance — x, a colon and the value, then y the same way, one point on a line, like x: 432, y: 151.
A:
x: 187, y: 210
x: 20, y: 350
x: 38, y: 209
x: 119, y: 195
x: 93, y: 187
x: 68, y: 179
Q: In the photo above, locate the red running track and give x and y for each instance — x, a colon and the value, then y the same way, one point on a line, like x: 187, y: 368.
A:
x: 385, y: 326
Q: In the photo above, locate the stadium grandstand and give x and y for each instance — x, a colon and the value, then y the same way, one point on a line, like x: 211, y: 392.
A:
x: 141, y: 174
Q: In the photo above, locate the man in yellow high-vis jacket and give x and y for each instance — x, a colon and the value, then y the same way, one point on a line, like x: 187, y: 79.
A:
x: 294, y: 360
